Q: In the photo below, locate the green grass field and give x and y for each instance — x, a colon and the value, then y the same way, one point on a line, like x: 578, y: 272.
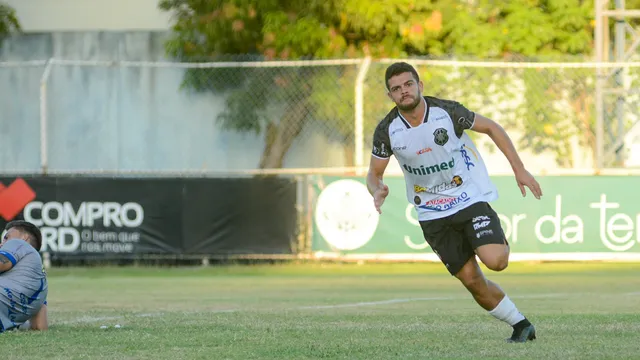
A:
x: 331, y: 311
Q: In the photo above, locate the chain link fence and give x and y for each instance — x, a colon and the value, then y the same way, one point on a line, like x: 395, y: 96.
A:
x: 141, y: 117
x: 549, y: 109
x: 217, y: 117
x: 621, y: 115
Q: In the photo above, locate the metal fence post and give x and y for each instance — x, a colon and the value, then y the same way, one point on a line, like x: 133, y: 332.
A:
x: 359, y: 115
x: 44, y: 153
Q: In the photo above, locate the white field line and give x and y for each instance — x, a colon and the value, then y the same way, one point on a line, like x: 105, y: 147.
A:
x: 373, y: 303
x: 90, y: 319
x: 396, y: 301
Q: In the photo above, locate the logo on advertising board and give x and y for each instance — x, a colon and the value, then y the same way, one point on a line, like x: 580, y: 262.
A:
x: 14, y: 198
x: 74, y: 226
x: 345, y: 215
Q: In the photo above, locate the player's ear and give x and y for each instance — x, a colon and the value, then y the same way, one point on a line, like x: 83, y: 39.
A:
x: 389, y: 95
x: 420, y: 86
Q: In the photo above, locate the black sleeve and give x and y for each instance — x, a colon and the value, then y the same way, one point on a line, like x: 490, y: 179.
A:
x: 462, y: 118
x: 381, y: 141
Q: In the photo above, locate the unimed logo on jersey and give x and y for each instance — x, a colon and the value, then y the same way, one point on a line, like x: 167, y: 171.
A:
x: 430, y: 169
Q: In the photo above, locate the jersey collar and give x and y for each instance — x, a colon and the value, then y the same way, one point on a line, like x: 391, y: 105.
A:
x: 424, y: 119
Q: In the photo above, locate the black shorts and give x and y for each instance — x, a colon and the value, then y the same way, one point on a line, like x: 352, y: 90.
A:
x: 455, y: 237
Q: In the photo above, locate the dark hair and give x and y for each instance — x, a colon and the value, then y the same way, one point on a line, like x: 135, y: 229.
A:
x: 29, y: 228
x: 397, y: 69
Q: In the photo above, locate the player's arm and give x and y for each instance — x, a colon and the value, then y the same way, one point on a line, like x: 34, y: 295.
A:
x: 11, y: 253
x: 502, y: 140
x: 40, y: 321
x: 380, y: 155
x: 7, y: 261
x: 464, y: 119
x: 379, y: 160
x: 377, y: 166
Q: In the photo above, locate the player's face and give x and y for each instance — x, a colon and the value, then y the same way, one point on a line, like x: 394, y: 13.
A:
x: 11, y: 234
x: 405, y: 91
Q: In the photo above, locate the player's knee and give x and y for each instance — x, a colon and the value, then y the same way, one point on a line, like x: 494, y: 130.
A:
x: 497, y: 263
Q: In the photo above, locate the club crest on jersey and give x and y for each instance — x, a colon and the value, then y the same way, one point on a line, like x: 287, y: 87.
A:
x: 440, y: 136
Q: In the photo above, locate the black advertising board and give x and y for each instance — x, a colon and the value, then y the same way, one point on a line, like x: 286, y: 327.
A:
x: 243, y: 216
x: 126, y: 217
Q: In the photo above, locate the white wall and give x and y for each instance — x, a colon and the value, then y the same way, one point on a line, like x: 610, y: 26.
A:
x: 128, y: 118
x: 89, y: 15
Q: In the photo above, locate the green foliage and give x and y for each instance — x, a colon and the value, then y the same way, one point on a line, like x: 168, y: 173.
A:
x: 8, y: 21
x: 335, y: 110
x: 245, y: 30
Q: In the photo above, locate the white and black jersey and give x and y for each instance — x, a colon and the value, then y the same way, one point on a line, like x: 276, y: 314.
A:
x: 443, y: 170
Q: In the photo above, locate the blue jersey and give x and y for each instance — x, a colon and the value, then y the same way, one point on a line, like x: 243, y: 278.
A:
x: 24, y: 288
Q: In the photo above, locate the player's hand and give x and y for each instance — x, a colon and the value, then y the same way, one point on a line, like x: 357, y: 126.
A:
x: 524, y: 178
x: 379, y: 196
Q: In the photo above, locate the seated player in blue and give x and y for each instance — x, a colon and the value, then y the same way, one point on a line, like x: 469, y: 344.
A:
x: 23, y: 281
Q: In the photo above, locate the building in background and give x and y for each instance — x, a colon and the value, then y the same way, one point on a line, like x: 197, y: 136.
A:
x: 38, y: 16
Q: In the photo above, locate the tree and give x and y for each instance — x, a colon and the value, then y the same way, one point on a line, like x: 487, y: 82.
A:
x: 554, y: 104
x: 271, y: 101
x: 556, y: 101
x: 282, y: 104
x: 8, y: 21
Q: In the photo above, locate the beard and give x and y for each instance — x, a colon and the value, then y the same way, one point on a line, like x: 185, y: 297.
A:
x: 409, y: 107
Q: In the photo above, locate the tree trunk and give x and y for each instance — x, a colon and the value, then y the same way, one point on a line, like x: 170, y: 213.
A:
x: 279, y: 137
x: 582, y: 107
x: 349, y: 155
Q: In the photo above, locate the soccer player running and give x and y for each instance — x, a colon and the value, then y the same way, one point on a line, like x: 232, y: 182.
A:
x: 23, y: 281
x: 448, y: 183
